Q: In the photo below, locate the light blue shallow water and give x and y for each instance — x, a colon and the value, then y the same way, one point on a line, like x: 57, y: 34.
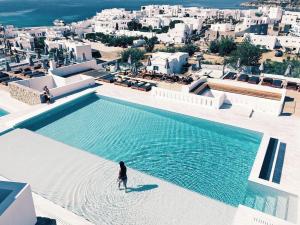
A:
x: 206, y: 157
x: 2, y: 112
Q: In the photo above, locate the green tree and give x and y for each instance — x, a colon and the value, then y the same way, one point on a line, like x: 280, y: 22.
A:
x: 135, y: 53
x: 150, y: 44
x: 226, y: 46
x: 214, y: 46
x: 248, y: 54
x: 134, y: 25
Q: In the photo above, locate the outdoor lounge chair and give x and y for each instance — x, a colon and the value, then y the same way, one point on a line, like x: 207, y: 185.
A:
x: 292, y: 86
x: 277, y: 84
x: 243, y: 78
x: 145, y: 87
x: 230, y: 76
x: 253, y: 80
x: 267, y: 81
x: 107, y: 78
x: 137, y: 85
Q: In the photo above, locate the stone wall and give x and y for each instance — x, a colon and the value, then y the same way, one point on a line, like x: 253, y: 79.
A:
x: 25, y: 94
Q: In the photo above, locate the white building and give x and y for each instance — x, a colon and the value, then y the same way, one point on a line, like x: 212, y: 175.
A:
x: 222, y: 27
x: 168, y: 63
x: 272, y: 42
x: 111, y: 20
x: 82, y: 51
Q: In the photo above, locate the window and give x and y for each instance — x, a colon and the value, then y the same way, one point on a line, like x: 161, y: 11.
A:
x: 155, y: 68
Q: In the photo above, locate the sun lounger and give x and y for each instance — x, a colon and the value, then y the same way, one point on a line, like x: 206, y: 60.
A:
x: 277, y: 84
x: 137, y: 85
x: 107, y: 78
x: 292, y: 86
x: 253, y: 80
x: 145, y: 87
x: 243, y: 78
x: 230, y: 76
x: 267, y: 81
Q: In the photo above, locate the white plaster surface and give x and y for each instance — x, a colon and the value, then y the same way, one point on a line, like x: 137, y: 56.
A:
x: 158, y: 206
x: 86, y: 185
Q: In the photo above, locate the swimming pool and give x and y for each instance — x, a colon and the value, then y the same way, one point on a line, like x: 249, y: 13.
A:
x: 3, y: 112
x: 210, y: 158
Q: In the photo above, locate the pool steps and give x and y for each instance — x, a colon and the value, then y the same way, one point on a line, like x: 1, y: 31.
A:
x: 277, y: 206
x: 270, y: 200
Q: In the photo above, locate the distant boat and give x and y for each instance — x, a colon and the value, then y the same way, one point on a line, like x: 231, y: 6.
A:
x: 59, y: 22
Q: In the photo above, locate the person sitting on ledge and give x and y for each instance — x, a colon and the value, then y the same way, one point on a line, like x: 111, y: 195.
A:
x: 47, y: 95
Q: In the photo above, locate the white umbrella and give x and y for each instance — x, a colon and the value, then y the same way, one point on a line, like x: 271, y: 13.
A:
x: 262, y: 67
x: 129, y: 61
x: 238, y: 64
x: 288, y: 71
x: 117, y: 66
x: 134, y: 69
x: 149, y: 63
x: 167, y: 65
x: 7, y: 66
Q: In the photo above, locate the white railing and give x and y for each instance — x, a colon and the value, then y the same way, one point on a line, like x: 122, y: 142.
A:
x: 210, y: 102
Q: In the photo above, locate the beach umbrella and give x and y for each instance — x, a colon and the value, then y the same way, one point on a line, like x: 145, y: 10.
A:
x: 71, y: 55
x: 199, y: 64
x: 117, y: 66
x: 7, y: 67
x: 65, y: 61
x: 149, y: 63
x: 11, y: 52
x: 134, y: 69
x: 238, y: 63
x: 30, y: 61
x: 0, y: 42
x: 44, y: 64
x: 17, y: 44
x: 46, y: 52
x: 288, y: 71
x: 21, y: 46
x: 39, y: 55
x: 262, y: 67
x: 129, y: 61
x: 17, y: 59
x: 167, y: 65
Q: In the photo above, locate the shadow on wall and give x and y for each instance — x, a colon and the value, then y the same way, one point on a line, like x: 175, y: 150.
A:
x: 45, y: 221
x: 141, y: 188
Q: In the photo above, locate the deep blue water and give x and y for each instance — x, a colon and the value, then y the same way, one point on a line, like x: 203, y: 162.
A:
x: 42, y: 12
x: 209, y: 158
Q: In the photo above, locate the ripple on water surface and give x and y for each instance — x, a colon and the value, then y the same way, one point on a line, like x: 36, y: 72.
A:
x: 206, y: 157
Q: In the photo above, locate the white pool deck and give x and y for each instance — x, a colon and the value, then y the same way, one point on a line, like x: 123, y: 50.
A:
x: 87, y: 185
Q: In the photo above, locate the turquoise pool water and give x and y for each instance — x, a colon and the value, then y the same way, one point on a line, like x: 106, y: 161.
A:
x: 206, y: 157
x: 2, y: 112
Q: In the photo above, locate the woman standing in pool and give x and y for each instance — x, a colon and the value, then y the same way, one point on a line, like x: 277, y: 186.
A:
x: 122, y: 175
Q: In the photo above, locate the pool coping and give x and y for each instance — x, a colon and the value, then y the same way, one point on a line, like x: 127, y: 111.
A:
x: 253, y: 176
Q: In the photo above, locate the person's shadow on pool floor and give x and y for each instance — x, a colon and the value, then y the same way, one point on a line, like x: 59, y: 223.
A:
x: 141, y: 188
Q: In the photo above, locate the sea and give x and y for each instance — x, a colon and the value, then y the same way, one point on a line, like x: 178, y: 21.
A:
x: 29, y: 13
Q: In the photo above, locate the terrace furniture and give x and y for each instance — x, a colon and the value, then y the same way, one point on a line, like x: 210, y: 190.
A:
x: 253, y: 80
x: 230, y: 76
x: 107, y: 78
x: 267, y: 81
x: 292, y: 86
x: 146, y: 87
x: 243, y: 78
x: 123, y: 82
x: 137, y: 85
x: 277, y: 84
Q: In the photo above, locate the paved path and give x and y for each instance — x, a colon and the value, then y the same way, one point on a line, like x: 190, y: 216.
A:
x: 86, y: 185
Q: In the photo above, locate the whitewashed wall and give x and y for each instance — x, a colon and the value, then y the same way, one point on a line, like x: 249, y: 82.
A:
x: 264, y: 105
x: 17, y: 208
x: 210, y: 102
x: 74, y: 68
